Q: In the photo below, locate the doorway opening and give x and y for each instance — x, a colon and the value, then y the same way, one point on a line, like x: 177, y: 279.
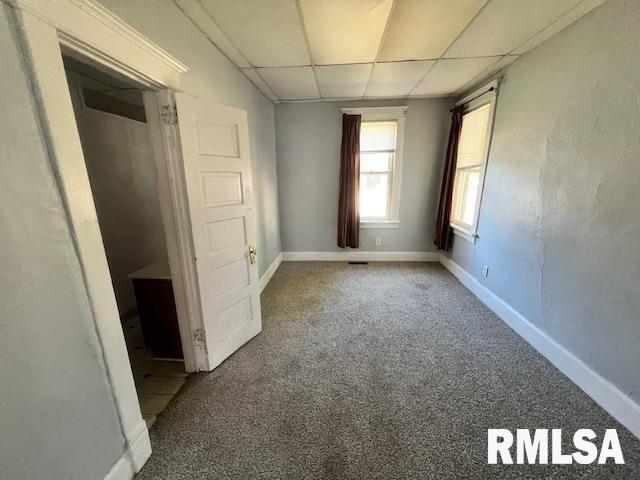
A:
x: 119, y: 158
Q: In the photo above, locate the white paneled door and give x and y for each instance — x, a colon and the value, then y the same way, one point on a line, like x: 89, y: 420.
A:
x: 214, y: 143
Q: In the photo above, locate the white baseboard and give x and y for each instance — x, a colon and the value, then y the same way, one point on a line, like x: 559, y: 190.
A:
x: 608, y: 396
x: 137, y: 453
x: 360, y: 256
x: 264, y: 280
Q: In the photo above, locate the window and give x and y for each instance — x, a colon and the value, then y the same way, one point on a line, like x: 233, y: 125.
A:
x: 377, y: 151
x: 381, y: 135
x: 470, y: 167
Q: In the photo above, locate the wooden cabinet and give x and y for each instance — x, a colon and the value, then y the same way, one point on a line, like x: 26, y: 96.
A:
x: 157, y: 310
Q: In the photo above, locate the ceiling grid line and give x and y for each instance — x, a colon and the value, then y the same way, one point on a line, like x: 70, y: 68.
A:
x: 513, y: 52
x: 326, y: 50
x: 255, y: 70
x: 563, y: 14
x: 181, y: 7
x: 305, y: 34
x: 382, y: 39
x: 449, y: 46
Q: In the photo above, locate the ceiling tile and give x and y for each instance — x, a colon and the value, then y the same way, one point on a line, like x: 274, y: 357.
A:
x: 291, y: 83
x: 396, y: 79
x: 199, y: 16
x: 447, y: 76
x: 503, y: 25
x: 488, y: 73
x: 571, y: 16
x: 343, y: 81
x: 267, y: 32
x: 345, y: 31
x: 423, y: 29
x: 259, y: 83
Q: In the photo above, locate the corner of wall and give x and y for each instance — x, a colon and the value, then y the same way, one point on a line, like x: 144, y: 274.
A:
x: 605, y: 394
x: 135, y: 456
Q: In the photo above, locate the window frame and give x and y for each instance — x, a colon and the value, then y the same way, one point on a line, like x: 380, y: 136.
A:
x: 472, y: 102
x: 387, y: 114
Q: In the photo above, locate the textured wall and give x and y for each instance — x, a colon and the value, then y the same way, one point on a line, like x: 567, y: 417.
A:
x: 308, y: 144
x: 57, y: 414
x: 213, y: 77
x: 122, y: 173
x: 560, y: 223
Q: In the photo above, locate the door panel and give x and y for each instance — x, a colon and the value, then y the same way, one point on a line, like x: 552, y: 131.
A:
x: 226, y: 233
x: 221, y: 188
x: 217, y: 168
x: 230, y: 277
x: 220, y: 139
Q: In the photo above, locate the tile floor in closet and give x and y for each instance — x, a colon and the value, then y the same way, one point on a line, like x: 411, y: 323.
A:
x: 157, y: 381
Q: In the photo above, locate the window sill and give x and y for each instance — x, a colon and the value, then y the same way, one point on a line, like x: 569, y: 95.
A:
x: 465, y: 234
x: 380, y: 224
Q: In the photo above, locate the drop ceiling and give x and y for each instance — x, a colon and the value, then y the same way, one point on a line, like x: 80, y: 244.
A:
x: 310, y: 50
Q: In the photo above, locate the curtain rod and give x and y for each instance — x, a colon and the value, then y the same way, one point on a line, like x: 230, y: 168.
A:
x: 472, y: 99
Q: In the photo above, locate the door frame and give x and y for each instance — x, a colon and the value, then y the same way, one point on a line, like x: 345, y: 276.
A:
x: 172, y: 191
x: 86, y: 29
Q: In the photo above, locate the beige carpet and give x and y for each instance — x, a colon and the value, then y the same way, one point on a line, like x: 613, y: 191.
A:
x: 372, y: 371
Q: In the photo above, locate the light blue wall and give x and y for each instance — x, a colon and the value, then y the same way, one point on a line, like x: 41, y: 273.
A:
x: 212, y: 76
x: 57, y: 412
x: 122, y: 172
x: 308, y: 144
x: 560, y: 218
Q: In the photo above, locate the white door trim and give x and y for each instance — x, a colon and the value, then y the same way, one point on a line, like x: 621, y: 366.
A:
x: 134, y: 457
x: 175, y: 213
x: 88, y: 30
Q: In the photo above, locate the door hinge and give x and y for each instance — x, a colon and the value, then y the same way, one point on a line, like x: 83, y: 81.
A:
x: 169, y: 114
x: 200, y: 339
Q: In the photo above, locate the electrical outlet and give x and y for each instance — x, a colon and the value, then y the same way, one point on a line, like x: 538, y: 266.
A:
x: 485, y: 271
x: 378, y: 241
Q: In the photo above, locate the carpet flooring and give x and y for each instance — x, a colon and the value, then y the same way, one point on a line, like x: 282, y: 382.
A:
x: 387, y: 370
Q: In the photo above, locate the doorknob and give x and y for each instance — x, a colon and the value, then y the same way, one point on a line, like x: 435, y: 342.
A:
x: 253, y: 251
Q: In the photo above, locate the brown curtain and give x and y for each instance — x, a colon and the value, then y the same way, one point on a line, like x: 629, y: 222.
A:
x: 349, y: 200
x: 443, y: 230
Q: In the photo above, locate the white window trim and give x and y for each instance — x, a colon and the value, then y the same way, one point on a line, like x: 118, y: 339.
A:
x: 470, y: 103
x: 379, y: 224
x: 373, y: 114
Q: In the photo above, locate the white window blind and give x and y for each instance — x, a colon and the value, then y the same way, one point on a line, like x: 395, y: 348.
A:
x: 473, y: 138
x: 469, y: 167
x: 377, y: 155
